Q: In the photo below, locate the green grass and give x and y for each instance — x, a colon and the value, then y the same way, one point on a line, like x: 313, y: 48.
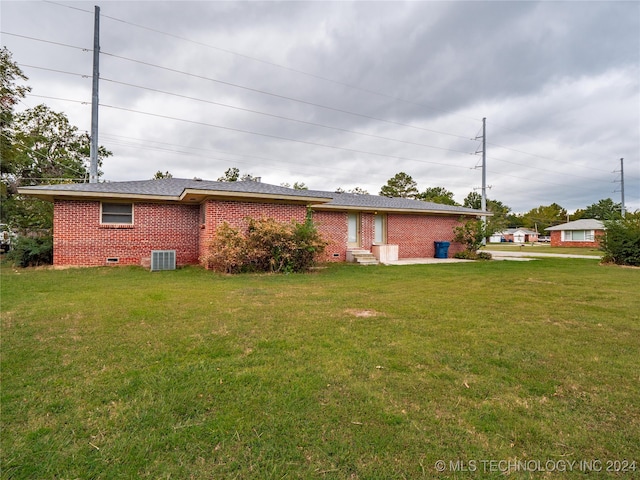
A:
x: 542, y: 248
x: 346, y: 373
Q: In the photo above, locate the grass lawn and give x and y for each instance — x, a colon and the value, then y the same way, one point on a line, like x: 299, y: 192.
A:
x: 542, y: 248
x: 346, y: 373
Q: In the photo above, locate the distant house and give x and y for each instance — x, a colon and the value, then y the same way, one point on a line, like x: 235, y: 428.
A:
x: 579, y: 233
x: 515, y: 235
x: 124, y: 222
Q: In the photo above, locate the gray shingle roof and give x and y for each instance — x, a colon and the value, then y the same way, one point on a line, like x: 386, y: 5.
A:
x: 173, y: 188
x: 582, y: 224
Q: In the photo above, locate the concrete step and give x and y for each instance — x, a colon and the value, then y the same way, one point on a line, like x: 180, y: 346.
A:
x: 363, y: 257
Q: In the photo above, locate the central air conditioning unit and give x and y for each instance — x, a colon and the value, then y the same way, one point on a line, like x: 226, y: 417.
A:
x: 163, y: 260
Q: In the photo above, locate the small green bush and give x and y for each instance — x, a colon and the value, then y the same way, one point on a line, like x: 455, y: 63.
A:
x: 471, y: 255
x: 471, y: 234
x: 32, y: 251
x: 621, y: 241
x: 267, y: 246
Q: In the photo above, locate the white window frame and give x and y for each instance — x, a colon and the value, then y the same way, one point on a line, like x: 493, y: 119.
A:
x: 589, y: 236
x: 102, y: 213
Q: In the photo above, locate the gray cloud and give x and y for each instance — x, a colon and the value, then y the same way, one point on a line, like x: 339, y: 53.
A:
x: 558, y: 82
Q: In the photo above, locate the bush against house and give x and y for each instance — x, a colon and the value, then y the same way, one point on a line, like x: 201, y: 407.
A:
x: 621, y: 241
x: 471, y: 234
x: 266, y: 246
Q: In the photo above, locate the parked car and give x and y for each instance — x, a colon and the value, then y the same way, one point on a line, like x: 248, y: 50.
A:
x: 7, y: 237
x: 544, y: 238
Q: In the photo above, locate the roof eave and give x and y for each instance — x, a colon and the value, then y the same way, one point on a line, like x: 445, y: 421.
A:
x: 188, y: 195
x: 359, y: 208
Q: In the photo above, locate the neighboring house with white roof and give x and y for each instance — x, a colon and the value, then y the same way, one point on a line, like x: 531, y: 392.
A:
x: 585, y: 232
x: 124, y: 222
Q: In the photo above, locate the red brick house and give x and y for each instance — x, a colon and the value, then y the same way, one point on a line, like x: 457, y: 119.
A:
x: 123, y: 222
x: 579, y: 233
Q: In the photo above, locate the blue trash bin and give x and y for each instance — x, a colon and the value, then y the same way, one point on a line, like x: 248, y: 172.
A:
x: 442, y: 249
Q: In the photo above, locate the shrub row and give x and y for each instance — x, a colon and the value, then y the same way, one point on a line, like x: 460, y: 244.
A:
x: 265, y: 246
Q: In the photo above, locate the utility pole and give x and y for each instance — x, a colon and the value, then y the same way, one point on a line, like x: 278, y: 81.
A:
x: 483, y: 199
x: 483, y: 204
x: 622, y: 210
x: 93, y: 165
x: 622, y: 207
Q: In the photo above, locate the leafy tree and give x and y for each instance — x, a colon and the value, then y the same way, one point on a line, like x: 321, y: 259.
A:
x: 230, y: 175
x: 296, y: 186
x: 354, y: 190
x: 10, y: 95
x: 160, y: 175
x: 621, y: 240
x: 400, y: 185
x: 37, y: 146
x: 605, y: 209
x: 45, y: 149
x: 544, y: 216
x: 500, y: 219
x: 233, y: 175
x: 437, y: 195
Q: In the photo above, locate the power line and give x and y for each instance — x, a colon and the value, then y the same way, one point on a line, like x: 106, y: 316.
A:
x: 266, y: 62
x: 277, y: 137
x: 48, y: 41
x: 276, y: 95
x: 281, y: 117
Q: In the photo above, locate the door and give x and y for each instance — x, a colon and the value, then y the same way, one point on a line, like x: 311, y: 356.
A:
x: 353, y: 230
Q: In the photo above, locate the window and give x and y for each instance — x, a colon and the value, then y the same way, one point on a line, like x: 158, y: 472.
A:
x: 379, y: 229
x: 121, y: 213
x: 578, y: 235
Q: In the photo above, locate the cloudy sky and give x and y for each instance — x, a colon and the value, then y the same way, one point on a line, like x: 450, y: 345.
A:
x: 346, y: 94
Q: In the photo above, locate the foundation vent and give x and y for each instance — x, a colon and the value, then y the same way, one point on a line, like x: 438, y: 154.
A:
x: 163, y: 260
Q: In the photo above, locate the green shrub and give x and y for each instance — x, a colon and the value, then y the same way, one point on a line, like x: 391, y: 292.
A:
x: 267, y: 246
x: 32, y: 251
x: 621, y: 241
x: 471, y: 255
x: 471, y: 234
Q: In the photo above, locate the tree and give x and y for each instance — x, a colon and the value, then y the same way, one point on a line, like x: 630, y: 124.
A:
x: 354, y: 190
x: 400, y: 185
x: 233, y: 175
x: 296, y: 186
x: 544, y: 216
x: 621, y: 240
x: 500, y: 218
x: 605, y: 209
x: 10, y: 95
x: 159, y: 175
x: 46, y: 149
x: 230, y: 175
x: 437, y: 195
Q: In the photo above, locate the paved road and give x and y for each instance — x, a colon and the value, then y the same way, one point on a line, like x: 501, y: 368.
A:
x: 524, y: 253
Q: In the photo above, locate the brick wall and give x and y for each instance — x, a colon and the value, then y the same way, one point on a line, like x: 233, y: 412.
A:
x: 416, y: 234
x: 556, y: 240
x: 80, y: 239
x: 236, y: 214
x: 333, y: 228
